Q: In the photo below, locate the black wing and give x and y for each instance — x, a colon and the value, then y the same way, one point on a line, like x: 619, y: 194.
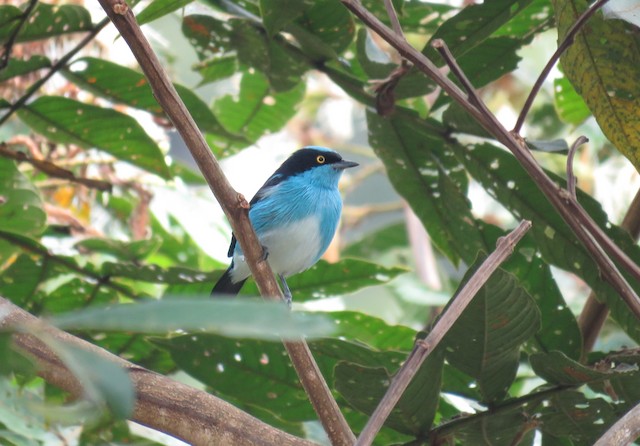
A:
x: 276, y: 178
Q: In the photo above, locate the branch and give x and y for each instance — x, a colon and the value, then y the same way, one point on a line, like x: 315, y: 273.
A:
x: 580, y: 223
x: 566, y: 43
x: 161, y: 403
x: 8, y: 47
x: 424, y: 347
x: 624, y: 431
x: 52, y: 169
x: 235, y: 207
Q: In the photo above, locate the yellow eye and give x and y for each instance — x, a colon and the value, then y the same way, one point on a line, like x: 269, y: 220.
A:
x: 320, y: 159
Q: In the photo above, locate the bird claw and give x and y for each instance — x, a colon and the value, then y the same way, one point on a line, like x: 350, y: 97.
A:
x: 286, y: 291
x: 265, y: 253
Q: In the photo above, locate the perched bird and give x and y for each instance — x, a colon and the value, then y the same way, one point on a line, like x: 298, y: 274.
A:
x: 295, y: 215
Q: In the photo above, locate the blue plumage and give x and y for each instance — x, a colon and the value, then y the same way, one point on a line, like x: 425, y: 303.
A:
x: 295, y: 215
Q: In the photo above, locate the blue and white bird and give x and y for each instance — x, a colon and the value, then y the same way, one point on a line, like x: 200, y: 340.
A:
x: 295, y: 215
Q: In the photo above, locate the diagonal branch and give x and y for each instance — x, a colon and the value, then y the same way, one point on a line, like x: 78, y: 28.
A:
x: 424, y: 347
x: 161, y: 403
x: 8, y: 46
x: 585, y: 229
x: 235, y: 207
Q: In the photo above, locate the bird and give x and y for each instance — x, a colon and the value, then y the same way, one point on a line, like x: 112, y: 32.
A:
x: 295, y: 215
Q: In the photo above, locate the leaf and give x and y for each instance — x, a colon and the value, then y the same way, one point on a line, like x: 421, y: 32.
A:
x: 603, y: 64
x: 129, y: 251
x: 257, y: 110
x: 45, y: 21
x: 21, y: 209
x: 334, y: 279
x: 238, y: 318
x: 124, y: 85
x: 19, y: 67
x: 160, y: 8
x: 496, y: 429
x: 364, y: 387
x: 372, y: 331
x: 422, y: 171
x: 155, y: 274
x: 76, y: 293
x: 557, y: 368
x: 622, y: 383
x: 102, y: 380
x: 569, y: 104
x: 277, y: 14
x: 485, y: 340
x: 68, y: 121
x: 216, y: 69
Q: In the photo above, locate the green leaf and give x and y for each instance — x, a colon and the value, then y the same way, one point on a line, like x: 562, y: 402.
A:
x: 557, y: 368
x: 68, y: 121
x: 20, y: 204
x: 379, y: 243
x: 46, y: 20
x: 256, y: 110
x: 372, y: 331
x: 623, y: 383
x: 276, y: 14
x: 159, y: 8
x: 128, y: 251
x: 421, y: 169
x: 76, y: 293
x: 603, y: 64
x: 238, y: 318
x: 216, y: 69
x: 496, y: 429
x: 569, y: 104
x: 126, y: 86
x: 102, y: 380
x: 19, y: 67
x: 364, y: 387
x: 334, y: 279
x: 485, y: 340
x: 155, y: 274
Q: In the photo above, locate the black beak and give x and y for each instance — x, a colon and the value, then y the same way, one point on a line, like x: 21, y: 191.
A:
x: 341, y: 165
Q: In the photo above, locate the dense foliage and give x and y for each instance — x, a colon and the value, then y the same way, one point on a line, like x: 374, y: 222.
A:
x: 515, y: 357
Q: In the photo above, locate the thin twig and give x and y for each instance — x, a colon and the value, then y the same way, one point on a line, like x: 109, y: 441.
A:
x: 566, y: 43
x: 556, y: 196
x: 571, y: 178
x: 53, y: 170
x: 393, y: 17
x: 448, y: 57
x: 235, y: 207
x: 8, y: 47
x: 53, y: 70
x: 594, y: 313
x: 424, y: 347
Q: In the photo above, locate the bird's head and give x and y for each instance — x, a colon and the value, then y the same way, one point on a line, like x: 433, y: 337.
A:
x: 317, y: 164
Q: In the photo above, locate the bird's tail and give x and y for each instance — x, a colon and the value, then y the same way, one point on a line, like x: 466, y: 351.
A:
x: 226, y: 286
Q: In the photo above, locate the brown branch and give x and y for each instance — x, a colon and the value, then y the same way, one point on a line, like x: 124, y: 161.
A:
x: 566, y: 43
x: 571, y: 178
x: 161, y: 403
x: 624, y: 431
x: 52, y: 169
x: 235, y: 207
x: 580, y: 223
x: 424, y: 347
x: 393, y: 17
x: 594, y: 313
x: 8, y: 46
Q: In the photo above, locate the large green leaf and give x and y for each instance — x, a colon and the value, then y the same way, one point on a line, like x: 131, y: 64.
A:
x: 497, y: 429
x: 239, y: 318
x: 504, y: 178
x: 19, y: 67
x: 68, y: 121
x: 124, y: 85
x: 46, y: 20
x: 277, y: 14
x: 334, y: 279
x: 423, y: 171
x: 160, y: 8
x: 155, y: 274
x: 603, y: 64
x: 363, y: 387
x: 20, y: 205
x: 570, y: 106
x: 485, y: 340
x: 257, y: 110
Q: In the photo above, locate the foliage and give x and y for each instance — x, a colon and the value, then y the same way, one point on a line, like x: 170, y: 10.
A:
x: 515, y: 355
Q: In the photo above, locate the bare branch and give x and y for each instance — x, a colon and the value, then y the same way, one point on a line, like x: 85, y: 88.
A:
x: 161, y: 403
x: 566, y: 43
x: 443, y: 49
x: 571, y: 178
x: 580, y: 223
x: 393, y: 17
x: 424, y: 347
x: 624, y: 431
x: 235, y: 207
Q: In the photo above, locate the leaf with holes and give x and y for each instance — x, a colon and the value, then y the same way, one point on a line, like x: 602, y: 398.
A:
x: 44, y: 21
x: 485, y: 340
x: 68, y: 121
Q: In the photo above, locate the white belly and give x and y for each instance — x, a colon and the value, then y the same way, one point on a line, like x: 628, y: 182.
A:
x: 291, y: 250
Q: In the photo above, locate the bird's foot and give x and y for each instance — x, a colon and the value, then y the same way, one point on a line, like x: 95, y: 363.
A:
x: 265, y: 253
x: 286, y: 291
